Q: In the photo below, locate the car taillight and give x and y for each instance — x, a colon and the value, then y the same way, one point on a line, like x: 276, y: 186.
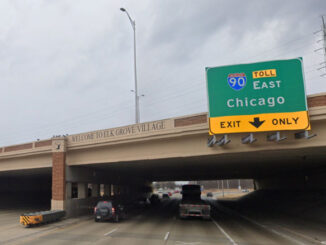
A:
x: 113, y: 210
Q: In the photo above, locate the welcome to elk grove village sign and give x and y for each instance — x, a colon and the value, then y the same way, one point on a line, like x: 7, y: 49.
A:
x: 257, y: 97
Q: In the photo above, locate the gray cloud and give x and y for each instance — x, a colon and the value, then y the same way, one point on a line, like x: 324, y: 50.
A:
x: 68, y: 68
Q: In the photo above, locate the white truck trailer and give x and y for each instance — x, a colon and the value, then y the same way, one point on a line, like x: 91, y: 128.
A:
x: 192, y: 205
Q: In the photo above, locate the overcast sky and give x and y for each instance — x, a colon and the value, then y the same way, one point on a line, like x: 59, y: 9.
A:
x: 67, y: 66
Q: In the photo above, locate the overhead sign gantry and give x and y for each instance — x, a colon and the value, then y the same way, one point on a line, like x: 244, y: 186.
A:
x: 257, y: 97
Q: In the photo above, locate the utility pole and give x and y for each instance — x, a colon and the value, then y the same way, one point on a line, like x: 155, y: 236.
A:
x: 133, y: 25
x: 323, y: 40
x: 324, y: 37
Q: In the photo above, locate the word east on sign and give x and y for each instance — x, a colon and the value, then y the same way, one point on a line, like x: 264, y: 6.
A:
x: 257, y: 97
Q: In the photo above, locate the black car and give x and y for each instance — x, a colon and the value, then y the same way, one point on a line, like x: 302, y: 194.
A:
x: 109, y: 210
x: 165, y: 196
x: 154, y: 199
x: 209, y: 194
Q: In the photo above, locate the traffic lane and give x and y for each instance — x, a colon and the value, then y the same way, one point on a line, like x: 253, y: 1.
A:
x: 183, y: 231
x: 306, y: 230
x: 152, y: 227
x: 84, y: 232
x: 242, y: 231
x: 21, y: 235
x: 10, y: 228
x: 196, y: 231
x: 299, y: 214
x: 149, y: 227
x: 9, y: 224
x: 309, y: 230
x: 163, y: 227
x: 157, y: 226
x: 12, y: 216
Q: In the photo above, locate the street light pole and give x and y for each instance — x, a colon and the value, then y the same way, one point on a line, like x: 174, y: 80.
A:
x: 133, y: 25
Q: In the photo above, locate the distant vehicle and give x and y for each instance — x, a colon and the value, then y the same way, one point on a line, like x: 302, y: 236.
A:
x: 165, y: 196
x: 245, y: 190
x: 170, y: 194
x: 109, y: 210
x: 209, y: 194
x: 154, y: 199
x: 192, y: 205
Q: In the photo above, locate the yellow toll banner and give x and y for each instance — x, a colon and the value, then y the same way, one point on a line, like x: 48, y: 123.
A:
x: 260, y: 122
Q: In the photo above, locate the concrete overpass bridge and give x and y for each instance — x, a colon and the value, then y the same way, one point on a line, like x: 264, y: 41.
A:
x: 123, y: 159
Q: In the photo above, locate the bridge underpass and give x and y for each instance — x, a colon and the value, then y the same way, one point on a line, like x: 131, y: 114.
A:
x: 254, y: 165
x: 126, y: 158
x: 26, y: 189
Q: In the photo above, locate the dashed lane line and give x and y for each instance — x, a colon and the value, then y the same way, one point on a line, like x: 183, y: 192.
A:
x: 187, y: 243
x: 166, y: 236
x: 110, y: 232
x: 224, y: 232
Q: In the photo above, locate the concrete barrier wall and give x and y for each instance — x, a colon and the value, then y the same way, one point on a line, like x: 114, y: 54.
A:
x: 297, y: 182
x: 77, y: 207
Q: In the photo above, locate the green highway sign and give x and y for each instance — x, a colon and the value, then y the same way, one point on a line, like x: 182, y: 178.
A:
x: 264, y: 96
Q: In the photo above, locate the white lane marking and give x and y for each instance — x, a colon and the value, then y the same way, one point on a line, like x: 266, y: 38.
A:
x: 166, y: 236
x: 187, y: 243
x: 272, y: 230
x: 225, y: 234
x: 301, y: 235
x: 110, y: 232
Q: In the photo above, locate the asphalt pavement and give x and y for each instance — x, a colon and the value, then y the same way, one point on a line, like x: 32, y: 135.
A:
x: 159, y: 225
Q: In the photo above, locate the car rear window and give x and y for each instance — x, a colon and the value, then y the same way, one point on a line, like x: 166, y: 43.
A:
x: 104, y: 205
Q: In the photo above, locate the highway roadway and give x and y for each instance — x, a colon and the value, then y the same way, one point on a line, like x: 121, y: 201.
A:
x: 157, y: 226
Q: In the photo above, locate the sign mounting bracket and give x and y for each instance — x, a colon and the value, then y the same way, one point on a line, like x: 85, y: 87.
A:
x: 222, y: 141
x: 304, y: 134
x: 249, y: 139
x: 276, y: 137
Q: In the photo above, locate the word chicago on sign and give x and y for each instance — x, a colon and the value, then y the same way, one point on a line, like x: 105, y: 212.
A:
x: 128, y: 130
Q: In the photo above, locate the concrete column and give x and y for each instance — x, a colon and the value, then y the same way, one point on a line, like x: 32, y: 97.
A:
x: 58, y: 174
x: 95, y: 190
x: 68, y: 190
x: 82, y: 190
x: 107, y: 190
